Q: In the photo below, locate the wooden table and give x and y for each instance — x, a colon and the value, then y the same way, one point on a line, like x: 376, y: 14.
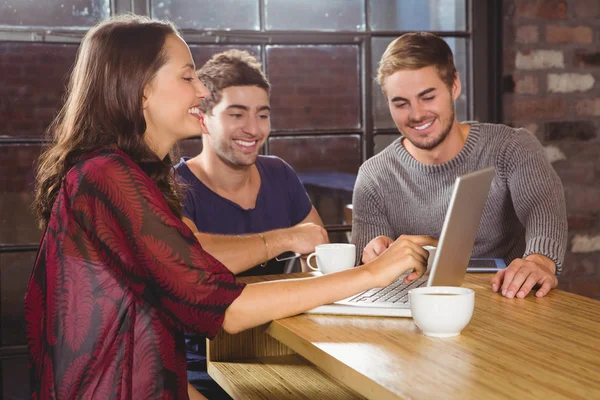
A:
x: 532, y: 348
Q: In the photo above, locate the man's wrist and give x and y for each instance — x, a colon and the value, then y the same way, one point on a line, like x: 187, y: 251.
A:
x: 279, y: 240
x: 544, y: 261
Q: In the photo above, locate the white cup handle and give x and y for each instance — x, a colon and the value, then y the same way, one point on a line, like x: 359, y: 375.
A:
x: 308, y: 262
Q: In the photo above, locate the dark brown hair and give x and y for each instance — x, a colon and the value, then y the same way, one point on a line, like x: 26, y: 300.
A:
x: 117, y: 59
x: 230, y: 68
x: 417, y: 50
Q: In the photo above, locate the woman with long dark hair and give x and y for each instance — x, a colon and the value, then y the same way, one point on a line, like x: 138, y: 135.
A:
x: 119, y: 276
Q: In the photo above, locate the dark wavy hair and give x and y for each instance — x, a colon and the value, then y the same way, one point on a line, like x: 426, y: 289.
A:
x: 117, y: 59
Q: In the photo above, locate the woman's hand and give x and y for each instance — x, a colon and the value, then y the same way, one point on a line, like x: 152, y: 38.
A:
x: 406, y: 253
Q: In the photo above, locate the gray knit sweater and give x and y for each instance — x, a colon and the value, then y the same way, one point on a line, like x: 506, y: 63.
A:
x: 525, y: 212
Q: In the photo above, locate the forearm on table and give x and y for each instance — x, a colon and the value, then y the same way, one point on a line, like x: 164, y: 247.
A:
x: 538, y: 198
x: 547, y: 242
x: 545, y: 221
x: 263, y: 302
x: 240, y: 253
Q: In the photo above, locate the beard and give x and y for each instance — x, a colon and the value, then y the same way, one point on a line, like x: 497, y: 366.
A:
x: 231, y: 157
x: 430, y: 144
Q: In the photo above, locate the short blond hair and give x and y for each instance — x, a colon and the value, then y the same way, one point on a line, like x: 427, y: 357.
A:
x: 417, y: 50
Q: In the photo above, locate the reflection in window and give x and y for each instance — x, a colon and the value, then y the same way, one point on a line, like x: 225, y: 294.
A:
x: 331, y: 15
x: 341, y: 237
x: 314, y: 87
x: 417, y: 15
x: 15, y: 269
x: 381, y: 113
x: 203, y: 52
x: 208, y: 14
x: 189, y: 148
x: 33, y: 77
x: 14, y: 373
x: 60, y: 14
x: 381, y: 142
x: 326, y: 165
x: 17, y: 223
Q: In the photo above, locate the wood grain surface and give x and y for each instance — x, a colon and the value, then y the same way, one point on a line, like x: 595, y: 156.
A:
x: 512, y: 348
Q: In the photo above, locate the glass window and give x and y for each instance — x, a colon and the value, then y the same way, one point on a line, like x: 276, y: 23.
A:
x: 33, y: 76
x: 340, y: 237
x: 15, y: 269
x: 14, y: 373
x: 330, y: 15
x: 417, y: 15
x: 190, y: 148
x: 383, y: 141
x: 64, y: 13
x: 326, y: 165
x: 203, y: 52
x: 208, y: 14
x: 314, y: 87
x: 381, y: 113
x: 17, y: 223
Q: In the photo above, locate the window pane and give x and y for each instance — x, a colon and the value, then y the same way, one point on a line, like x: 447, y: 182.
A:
x: 190, y: 147
x: 208, y: 14
x: 49, y: 13
x: 15, y: 269
x: 203, y: 52
x: 314, y: 87
x: 417, y: 15
x: 331, y: 15
x: 383, y: 141
x: 381, y: 113
x: 341, y: 237
x: 33, y: 76
x: 17, y: 223
x: 327, y: 165
x: 14, y: 373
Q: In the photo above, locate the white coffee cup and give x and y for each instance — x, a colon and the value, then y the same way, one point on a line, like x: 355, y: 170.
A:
x: 441, y: 311
x: 431, y: 250
x: 333, y: 257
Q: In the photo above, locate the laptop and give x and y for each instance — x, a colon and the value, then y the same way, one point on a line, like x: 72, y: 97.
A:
x: 450, y: 261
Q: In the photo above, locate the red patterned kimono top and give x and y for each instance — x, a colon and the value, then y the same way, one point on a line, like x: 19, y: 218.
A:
x: 117, y: 280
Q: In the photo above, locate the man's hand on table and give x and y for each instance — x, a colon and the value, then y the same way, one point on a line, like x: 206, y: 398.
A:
x: 522, y: 275
x: 303, y: 238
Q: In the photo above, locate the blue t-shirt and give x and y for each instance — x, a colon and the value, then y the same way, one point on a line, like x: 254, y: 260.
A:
x: 281, y: 202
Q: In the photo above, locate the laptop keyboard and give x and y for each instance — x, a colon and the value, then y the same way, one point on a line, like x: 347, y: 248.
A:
x: 397, y: 292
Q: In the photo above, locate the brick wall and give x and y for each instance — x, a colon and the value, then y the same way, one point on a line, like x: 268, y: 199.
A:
x: 552, y: 87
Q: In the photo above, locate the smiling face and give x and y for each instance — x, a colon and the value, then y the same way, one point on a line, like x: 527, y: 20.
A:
x: 422, y: 106
x: 239, y: 125
x: 172, y: 98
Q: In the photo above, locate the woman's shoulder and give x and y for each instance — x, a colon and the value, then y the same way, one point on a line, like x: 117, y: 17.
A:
x: 107, y: 157
x: 106, y: 164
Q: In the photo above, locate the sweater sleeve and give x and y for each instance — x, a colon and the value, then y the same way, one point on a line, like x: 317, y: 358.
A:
x: 537, y: 196
x: 369, y: 218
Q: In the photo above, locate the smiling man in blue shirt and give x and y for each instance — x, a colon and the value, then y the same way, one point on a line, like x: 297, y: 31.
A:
x: 231, y: 189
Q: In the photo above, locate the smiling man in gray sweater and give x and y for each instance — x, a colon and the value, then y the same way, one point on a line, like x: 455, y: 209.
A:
x: 406, y: 188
